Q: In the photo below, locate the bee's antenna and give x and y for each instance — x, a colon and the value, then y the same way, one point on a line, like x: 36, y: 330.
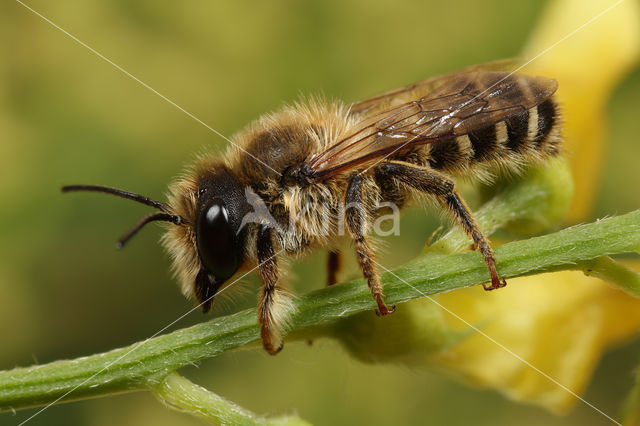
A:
x: 120, y: 193
x: 164, y: 216
x: 151, y: 217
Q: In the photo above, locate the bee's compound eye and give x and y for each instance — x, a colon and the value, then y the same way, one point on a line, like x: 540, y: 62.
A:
x: 216, y: 240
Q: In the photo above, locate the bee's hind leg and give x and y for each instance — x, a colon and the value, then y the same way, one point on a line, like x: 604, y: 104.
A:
x: 334, y: 262
x: 275, y: 305
x: 437, y: 184
x: 356, y: 223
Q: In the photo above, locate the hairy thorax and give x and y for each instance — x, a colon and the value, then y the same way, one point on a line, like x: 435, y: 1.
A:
x: 304, y: 215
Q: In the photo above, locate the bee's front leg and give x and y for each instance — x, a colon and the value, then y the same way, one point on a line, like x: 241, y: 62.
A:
x: 275, y: 306
x: 355, y: 214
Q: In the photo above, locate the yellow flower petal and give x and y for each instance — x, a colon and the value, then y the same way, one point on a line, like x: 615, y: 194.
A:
x: 587, y: 65
x: 560, y: 323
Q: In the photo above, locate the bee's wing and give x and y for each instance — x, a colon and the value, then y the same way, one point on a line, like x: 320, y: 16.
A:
x: 408, y: 93
x: 450, y: 106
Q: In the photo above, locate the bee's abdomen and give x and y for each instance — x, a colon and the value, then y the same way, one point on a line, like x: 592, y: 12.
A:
x: 531, y: 133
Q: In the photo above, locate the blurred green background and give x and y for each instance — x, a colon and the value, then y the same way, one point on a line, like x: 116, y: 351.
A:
x: 67, y: 116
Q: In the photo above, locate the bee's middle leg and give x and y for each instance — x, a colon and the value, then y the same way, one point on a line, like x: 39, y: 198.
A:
x: 334, y: 262
x: 356, y: 224
x: 437, y: 184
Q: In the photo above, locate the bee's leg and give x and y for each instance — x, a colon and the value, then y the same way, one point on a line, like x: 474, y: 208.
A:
x: 443, y: 188
x: 333, y: 267
x: 356, y: 223
x: 274, y: 306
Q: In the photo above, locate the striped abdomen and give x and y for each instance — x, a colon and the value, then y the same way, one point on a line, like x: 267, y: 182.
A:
x: 532, y: 134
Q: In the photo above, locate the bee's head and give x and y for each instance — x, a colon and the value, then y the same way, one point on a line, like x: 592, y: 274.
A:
x: 220, y: 237
x: 208, y: 242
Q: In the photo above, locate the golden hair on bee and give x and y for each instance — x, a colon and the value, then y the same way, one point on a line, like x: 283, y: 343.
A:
x: 317, y: 174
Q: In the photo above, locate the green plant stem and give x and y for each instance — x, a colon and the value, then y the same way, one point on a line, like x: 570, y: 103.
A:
x: 180, y: 394
x: 147, y: 363
x: 612, y: 272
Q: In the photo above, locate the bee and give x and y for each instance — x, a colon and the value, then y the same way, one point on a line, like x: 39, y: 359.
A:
x: 284, y: 183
